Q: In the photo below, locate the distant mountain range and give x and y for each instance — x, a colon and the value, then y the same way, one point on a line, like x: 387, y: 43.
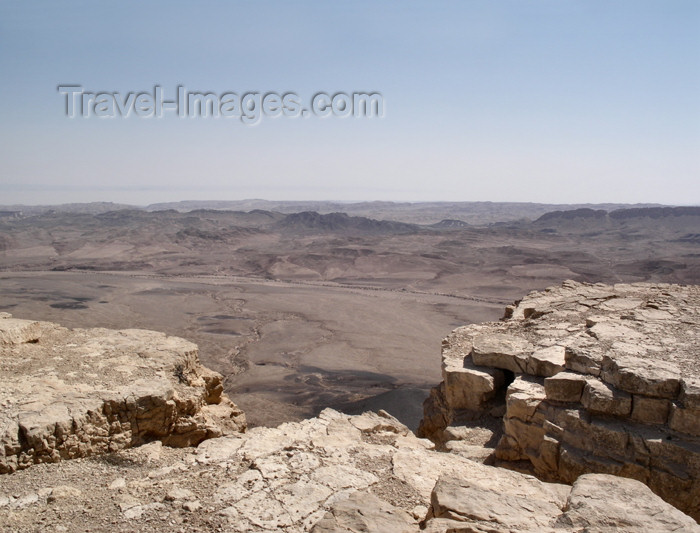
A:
x: 621, y: 214
x: 426, y: 213
x: 584, y: 243
x: 650, y: 219
x: 218, y: 224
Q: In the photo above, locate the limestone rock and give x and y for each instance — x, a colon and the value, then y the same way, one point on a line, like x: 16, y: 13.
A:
x: 77, y: 393
x: 547, y: 361
x: 565, y: 387
x: 470, y: 386
x: 179, y: 493
x: 500, y: 350
x: 599, y: 397
x: 621, y: 388
x: 690, y: 393
x: 63, y: 492
x: 650, y: 410
x: 467, y: 386
x: 17, y: 331
x: 595, y: 504
x: 331, y: 473
x: 685, y: 420
x: 365, y: 512
x: 525, y: 504
x: 657, y: 379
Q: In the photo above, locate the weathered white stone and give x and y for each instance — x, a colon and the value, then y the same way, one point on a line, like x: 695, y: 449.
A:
x: 622, y: 303
x: 628, y: 402
x: 523, y: 398
x: 118, y: 483
x: 365, y: 512
x: 523, y: 505
x: 63, y: 492
x: 583, y: 356
x: 469, y: 386
x: 348, y: 484
x: 213, y: 451
x: 610, y: 331
x: 179, y: 493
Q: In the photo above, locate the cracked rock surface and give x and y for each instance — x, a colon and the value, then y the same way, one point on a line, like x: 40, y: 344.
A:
x: 333, y: 473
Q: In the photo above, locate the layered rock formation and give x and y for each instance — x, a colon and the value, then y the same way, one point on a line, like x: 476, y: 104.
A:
x: 594, y: 378
x: 334, y: 473
x: 75, y: 393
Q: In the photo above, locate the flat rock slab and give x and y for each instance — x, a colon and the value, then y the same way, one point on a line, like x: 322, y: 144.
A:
x: 519, y: 504
x: 74, y: 393
x: 594, y: 504
x: 500, y: 350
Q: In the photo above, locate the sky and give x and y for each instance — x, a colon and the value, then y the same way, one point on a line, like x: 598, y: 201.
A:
x: 551, y: 101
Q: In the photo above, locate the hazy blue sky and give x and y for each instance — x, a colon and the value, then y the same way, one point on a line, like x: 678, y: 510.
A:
x: 547, y: 101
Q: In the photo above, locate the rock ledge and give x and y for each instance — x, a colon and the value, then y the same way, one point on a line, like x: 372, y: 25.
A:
x: 594, y: 378
x: 74, y: 393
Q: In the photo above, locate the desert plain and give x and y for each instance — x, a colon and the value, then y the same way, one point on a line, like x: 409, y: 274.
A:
x: 303, y: 310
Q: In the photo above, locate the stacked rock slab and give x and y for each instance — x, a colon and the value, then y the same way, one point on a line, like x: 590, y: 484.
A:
x: 74, y: 393
x: 596, y: 378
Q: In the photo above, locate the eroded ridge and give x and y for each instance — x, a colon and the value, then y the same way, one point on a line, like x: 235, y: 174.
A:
x: 594, y: 378
x: 74, y: 393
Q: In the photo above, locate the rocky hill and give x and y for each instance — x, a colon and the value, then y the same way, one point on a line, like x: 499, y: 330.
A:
x: 588, y: 378
x: 311, y: 221
x: 633, y: 221
x: 86, y: 414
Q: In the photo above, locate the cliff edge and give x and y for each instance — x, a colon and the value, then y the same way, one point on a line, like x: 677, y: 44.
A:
x: 587, y: 379
x: 67, y: 393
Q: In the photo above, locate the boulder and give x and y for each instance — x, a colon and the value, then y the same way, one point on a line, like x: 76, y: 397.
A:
x: 18, y: 331
x: 595, y: 504
x: 546, y: 361
x: 362, y: 511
